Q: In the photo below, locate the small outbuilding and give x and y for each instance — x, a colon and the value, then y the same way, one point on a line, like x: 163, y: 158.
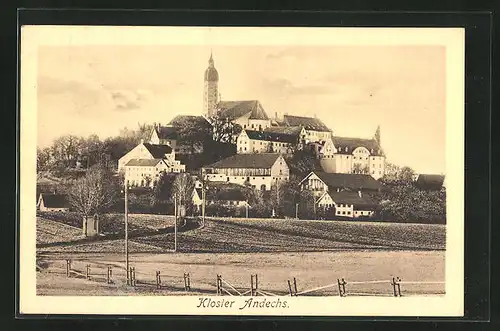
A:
x: 52, y: 202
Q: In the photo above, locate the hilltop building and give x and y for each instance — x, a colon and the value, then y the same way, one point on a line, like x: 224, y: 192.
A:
x: 351, y: 155
x: 315, y: 129
x: 270, y: 140
x: 169, y: 134
x: 319, y: 182
x: 254, y: 170
x: 144, y: 162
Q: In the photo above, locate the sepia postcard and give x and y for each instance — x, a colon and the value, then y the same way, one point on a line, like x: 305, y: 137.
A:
x: 277, y: 171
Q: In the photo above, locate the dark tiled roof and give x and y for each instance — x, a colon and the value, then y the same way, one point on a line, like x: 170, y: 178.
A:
x: 51, y: 200
x: 309, y: 123
x: 260, y: 161
x: 349, y: 181
x: 158, y: 151
x: 166, y: 132
x: 429, y: 182
x: 235, y: 109
x: 271, y: 136
x: 352, y: 143
x: 290, y: 130
x: 143, y: 162
x: 352, y: 198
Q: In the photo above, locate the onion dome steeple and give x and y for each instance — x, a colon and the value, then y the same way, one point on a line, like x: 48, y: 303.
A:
x: 211, y: 74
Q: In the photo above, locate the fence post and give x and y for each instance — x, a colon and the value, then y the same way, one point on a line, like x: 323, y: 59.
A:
x: 393, y: 283
x: 188, y: 287
x: 256, y: 283
x: 109, y: 274
x: 158, y: 280
x: 341, y: 287
x: 87, y: 273
x: 218, y: 285
x: 68, y: 267
x: 290, y: 288
x: 133, y: 273
x: 251, y: 285
x: 295, y: 285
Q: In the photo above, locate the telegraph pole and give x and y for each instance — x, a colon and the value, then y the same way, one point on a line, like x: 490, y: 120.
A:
x: 175, y: 225
x: 203, y: 197
x: 126, y: 232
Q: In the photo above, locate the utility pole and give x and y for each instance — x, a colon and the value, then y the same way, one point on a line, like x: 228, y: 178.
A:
x: 297, y: 211
x: 175, y: 224
x: 126, y: 232
x: 203, y: 206
x: 203, y: 197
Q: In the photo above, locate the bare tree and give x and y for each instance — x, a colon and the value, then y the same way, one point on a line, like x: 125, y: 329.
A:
x: 43, y: 160
x: 65, y: 149
x: 92, y: 194
x: 182, y: 187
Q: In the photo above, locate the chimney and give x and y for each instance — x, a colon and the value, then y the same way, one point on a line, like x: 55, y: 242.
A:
x: 359, y: 193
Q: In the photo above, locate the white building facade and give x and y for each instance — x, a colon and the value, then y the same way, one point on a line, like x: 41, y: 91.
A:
x: 259, y: 171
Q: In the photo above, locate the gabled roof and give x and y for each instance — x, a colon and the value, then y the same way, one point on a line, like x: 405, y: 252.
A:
x: 260, y: 161
x: 158, y: 151
x: 143, y: 162
x: 352, y: 143
x: 429, y: 182
x: 51, y: 200
x: 309, y: 123
x: 236, y: 109
x: 352, y: 198
x: 290, y: 130
x: 166, y: 132
x: 271, y: 136
x: 348, y: 181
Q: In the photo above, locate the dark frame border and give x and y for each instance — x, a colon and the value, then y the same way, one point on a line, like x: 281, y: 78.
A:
x: 478, y: 27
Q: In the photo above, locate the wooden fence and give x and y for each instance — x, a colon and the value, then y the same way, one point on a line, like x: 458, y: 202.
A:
x: 394, y: 286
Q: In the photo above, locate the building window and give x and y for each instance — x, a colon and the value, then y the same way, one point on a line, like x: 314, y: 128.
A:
x: 343, y: 212
x: 263, y: 187
x: 348, y: 213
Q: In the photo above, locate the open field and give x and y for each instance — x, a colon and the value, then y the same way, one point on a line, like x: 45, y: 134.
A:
x: 153, y: 233
x: 311, y: 269
x: 316, y: 253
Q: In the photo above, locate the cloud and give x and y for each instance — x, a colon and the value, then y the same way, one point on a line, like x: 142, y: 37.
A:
x: 126, y: 100
x: 292, y: 53
x: 286, y: 87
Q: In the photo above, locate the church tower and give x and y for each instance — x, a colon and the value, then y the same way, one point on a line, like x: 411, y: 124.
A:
x: 211, y: 90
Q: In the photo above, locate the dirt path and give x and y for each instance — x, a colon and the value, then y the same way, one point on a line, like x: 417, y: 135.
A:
x: 311, y: 269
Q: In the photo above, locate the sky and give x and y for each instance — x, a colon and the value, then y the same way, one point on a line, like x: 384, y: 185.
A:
x: 100, y: 89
